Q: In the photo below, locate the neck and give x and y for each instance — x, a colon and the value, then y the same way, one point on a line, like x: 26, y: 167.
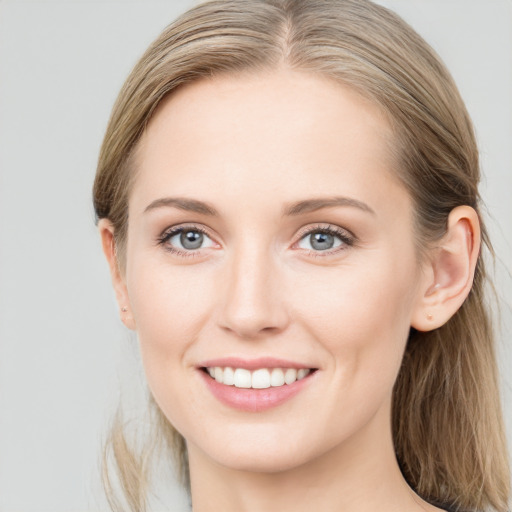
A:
x: 359, y: 475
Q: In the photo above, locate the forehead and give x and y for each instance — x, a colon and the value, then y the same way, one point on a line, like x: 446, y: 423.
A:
x: 246, y: 135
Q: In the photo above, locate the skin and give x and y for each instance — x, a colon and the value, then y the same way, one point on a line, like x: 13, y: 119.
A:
x: 257, y: 287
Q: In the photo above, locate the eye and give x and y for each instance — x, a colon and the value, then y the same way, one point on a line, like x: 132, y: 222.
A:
x: 325, y: 239
x: 185, y: 240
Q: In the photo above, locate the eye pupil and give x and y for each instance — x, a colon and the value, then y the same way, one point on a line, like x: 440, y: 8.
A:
x: 191, y: 239
x: 322, y: 241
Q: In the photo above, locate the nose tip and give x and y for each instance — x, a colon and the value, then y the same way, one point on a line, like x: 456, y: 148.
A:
x: 254, y: 302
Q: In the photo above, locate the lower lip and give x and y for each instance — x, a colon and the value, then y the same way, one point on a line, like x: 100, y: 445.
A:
x: 254, y: 400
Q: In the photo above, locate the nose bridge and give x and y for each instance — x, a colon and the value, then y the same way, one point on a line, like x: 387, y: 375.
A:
x: 253, y: 300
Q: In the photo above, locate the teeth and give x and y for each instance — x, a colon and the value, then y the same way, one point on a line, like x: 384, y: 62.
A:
x: 258, y: 379
x: 229, y: 376
x: 261, y: 379
x: 277, y: 377
x: 290, y: 376
x: 242, y: 378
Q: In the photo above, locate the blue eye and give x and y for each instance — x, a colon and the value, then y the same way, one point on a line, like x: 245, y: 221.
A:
x: 323, y: 239
x: 185, y: 240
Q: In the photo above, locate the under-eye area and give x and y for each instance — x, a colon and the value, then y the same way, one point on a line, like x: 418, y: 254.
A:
x: 261, y: 378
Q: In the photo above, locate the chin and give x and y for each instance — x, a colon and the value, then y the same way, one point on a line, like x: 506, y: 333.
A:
x: 262, y: 452
x: 255, y: 462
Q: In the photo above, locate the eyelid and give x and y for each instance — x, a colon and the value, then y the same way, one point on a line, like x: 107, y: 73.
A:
x: 179, y: 227
x: 343, y: 232
x: 172, y: 231
x: 347, y: 238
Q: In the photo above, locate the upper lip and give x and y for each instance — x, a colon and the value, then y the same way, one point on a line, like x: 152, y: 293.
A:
x: 253, y: 364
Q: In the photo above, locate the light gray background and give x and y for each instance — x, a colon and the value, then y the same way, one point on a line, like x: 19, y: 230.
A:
x: 63, y: 352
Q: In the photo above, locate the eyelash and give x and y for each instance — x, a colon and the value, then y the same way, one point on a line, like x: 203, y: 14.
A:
x: 167, y: 235
x: 346, y: 238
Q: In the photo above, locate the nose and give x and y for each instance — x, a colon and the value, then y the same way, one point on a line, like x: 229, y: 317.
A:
x: 253, y: 302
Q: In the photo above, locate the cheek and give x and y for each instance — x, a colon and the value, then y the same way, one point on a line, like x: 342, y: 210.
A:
x: 360, y: 313
x: 359, y: 316
x: 352, y: 304
x: 169, y: 304
x: 356, y: 314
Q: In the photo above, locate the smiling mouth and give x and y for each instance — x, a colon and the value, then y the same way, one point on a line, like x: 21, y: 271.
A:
x: 261, y: 378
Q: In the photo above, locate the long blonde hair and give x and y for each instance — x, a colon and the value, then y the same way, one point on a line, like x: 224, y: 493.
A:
x: 447, y: 421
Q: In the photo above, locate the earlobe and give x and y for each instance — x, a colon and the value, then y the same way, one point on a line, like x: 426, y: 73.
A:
x: 106, y: 231
x: 448, y: 280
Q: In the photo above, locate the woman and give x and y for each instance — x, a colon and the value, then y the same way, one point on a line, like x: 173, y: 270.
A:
x: 287, y: 199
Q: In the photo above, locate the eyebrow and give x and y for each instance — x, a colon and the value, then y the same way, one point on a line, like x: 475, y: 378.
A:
x: 311, y: 205
x: 291, y: 209
x: 183, y: 203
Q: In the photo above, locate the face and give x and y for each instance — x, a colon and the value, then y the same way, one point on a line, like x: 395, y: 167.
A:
x: 267, y: 232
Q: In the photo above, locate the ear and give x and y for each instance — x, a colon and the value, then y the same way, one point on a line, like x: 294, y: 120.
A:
x: 106, y: 230
x: 448, y: 276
